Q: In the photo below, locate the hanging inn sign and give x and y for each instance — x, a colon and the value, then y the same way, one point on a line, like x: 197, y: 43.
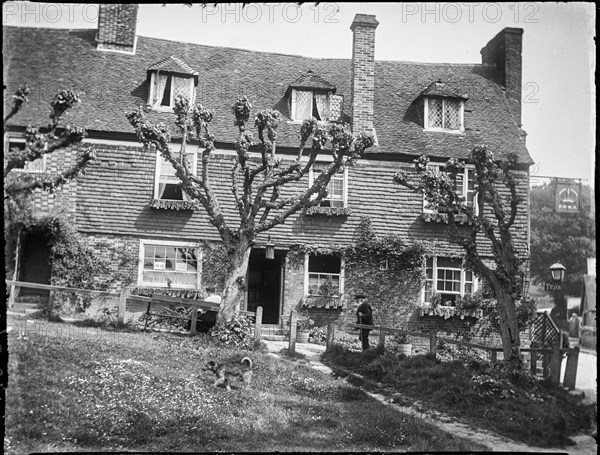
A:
x: 567, y: 196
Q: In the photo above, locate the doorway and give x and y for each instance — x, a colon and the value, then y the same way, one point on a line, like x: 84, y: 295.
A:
x: 34, y: 265
x: 265, y: 277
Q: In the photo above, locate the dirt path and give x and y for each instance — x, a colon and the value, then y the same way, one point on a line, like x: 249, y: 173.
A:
x: 585, y: 445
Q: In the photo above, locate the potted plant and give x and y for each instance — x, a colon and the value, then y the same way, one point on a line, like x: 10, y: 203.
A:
x: 303, y: 327
x: 404, y: 344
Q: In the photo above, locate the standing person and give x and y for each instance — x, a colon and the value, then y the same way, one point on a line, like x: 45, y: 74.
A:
x: 364, y: 315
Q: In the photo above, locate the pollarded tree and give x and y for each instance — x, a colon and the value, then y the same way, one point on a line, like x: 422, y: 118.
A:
x: 38, y: 143
x: 257, y: 185
x: 494, y: 219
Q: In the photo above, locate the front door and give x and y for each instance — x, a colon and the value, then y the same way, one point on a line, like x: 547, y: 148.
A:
x: 35, y: 265
x: 264, y: 284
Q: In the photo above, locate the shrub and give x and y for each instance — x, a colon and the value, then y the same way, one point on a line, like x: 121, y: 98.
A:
x: 237, y: 332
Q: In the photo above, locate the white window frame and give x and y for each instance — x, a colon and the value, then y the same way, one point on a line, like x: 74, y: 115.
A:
x: 169, y: 243
x: 344, y: 178
x: 169, y: 108
x: 461, y: 113
x: 465, y: 186
x: 434, y: 280
x: 158, y: 166
x: 37, y: 166
x: 342, y: 276
x: 293, y: 105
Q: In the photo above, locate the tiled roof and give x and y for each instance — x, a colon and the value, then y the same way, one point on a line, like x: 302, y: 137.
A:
x: 112, y: 84
x: 312, y: 80
x: 172, y: 64
x: 439, y: 88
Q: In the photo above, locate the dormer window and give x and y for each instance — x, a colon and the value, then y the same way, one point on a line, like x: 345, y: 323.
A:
x: 443, y: 114
x: 168, y: 79
x: 443, y: 108
x: 312, y: 96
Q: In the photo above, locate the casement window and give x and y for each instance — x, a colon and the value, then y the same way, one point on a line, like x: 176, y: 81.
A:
x: 167, y: 185
x: 337, y: 189
x: 324, y: 275
x: 165, y: 87
x: 464, y: 186
x: 448, y: 278
x: 323, y: 106
x: 443, y: 114
x: 37, y: 166
x: 169, y: 264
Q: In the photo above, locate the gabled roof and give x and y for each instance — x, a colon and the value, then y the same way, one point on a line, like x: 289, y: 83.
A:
x: 439, y: 88
x: 174, y: 65
x: 112, y: 84
x: 310, y: 80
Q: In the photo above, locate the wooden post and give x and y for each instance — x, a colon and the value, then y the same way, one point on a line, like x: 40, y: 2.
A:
x: 381, y: 344
x: 258, y: 324
x: 193, y: 321
x: 433, y: 343
x: 13, y: 288
x: 147, y: 315
x: 546, y: 365
x: 494, y: 356
x: 122, y: 305
x: 555, y: 365
x: 571, y: 368
x: 533, y: 362
x: 330, y: 335
x: 293, y: 323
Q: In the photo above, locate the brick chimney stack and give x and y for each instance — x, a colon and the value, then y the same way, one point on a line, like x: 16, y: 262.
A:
x: 363, y: 72
x: 116, y: 27
x: 504, y: 52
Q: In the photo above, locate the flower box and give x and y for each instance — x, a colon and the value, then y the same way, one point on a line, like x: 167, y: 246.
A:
x: 448, y: 312
x: 328, y: 211
x: 435, y: 217
x: 318, y: 301
x: 164, y: 204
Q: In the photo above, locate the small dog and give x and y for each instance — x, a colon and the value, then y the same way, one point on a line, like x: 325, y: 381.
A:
x: 225, y: 372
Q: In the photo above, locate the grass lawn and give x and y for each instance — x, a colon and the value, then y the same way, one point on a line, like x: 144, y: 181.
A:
x: 72, y: 389
x: 517, y: 406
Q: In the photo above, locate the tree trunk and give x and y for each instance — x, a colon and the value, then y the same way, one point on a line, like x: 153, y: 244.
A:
x: 509, y: 327
x: 235, y: 284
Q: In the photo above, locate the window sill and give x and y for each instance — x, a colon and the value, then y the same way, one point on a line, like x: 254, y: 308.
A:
x: 328, y: 211
x: 322, y: 302
x: 439, y: 130
x: 448, y: 312
x: 165, y: 204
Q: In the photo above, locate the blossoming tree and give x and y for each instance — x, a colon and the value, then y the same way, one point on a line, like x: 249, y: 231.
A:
x: 257, y: 183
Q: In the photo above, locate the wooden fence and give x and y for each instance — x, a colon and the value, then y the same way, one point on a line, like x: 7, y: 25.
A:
x: 141, y: 303
x: 551, y: 357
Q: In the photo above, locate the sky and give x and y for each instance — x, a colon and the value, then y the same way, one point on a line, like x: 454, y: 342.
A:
x: 559, y: 55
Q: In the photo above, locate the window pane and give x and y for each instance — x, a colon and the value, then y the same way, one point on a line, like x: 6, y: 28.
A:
x: 324, y: 264
x: 181, y: 86
x: 451, y: 114
x: 304, y: 105
x: 449, y: 262
x: 434, y: 107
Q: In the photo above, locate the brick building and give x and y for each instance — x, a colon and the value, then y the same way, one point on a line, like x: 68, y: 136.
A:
x: 129, y: 199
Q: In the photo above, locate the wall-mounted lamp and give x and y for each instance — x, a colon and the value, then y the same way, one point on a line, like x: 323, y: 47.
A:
x: 558, y: 272
x: 270, y: 249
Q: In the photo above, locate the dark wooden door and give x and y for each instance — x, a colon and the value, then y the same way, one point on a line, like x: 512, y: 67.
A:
x: 35, y: 264
x: 264, y: 285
